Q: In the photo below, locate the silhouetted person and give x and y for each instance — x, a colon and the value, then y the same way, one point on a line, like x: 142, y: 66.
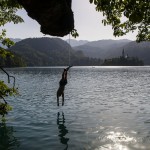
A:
x: 62, y: 83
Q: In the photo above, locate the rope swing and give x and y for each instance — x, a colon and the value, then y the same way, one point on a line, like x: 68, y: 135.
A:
x: 63, y: 81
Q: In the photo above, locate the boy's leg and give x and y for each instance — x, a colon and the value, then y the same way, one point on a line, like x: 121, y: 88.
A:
x: 63, y: 99
x: 57, y: 101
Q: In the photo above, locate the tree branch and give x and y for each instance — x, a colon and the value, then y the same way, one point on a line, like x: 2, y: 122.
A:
x: 8, y: 76
x: 3, y: 99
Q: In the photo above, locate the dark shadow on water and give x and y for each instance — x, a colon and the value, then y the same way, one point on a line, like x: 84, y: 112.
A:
x: 7, y: 140
x: 62, y: 129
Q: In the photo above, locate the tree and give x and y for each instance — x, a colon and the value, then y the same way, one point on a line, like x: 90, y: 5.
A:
x: 8, y: 9
x: 136, y: 13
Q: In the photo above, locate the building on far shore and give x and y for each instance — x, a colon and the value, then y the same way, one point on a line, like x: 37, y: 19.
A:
x: 123, y: 60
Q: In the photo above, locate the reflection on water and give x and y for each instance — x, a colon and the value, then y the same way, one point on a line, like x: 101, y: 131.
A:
x: 118, y: 137
x: 7, y: 139
x: 107, y: 108
x: 119, y: 141
x: 62, y: 129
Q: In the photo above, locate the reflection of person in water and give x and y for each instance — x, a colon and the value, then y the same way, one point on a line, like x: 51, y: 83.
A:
x: 62, y: 83
x: 62, y: 129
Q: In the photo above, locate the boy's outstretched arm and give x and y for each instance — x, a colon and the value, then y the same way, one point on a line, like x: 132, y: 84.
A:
x: 68, y: 68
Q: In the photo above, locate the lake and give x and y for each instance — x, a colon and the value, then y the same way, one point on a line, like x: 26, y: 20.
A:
x: 106, y: 108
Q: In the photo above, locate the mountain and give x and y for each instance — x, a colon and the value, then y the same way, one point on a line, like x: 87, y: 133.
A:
x: 105, y: 49
x: 90, y: 51
x: 13, y: 39
x: 102, y: 48
x: 50, y: 52
x: 55, y: 51
x: 74, y: 43
x: 107, y: 44
x: 133, y: 49
x: 12, y: 60
x: 140, y: 50
x: 43, y: 51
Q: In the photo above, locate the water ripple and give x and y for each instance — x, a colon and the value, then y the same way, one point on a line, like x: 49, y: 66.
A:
x: 105, y: 108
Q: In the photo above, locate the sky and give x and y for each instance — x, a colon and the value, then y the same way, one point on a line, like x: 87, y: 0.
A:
x: 87, y: 22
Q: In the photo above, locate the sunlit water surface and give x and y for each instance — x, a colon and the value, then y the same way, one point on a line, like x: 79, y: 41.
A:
x: 106, y: 108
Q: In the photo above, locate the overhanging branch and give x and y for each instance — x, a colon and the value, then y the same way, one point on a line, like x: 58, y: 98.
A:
x: 9, y: 76
x: 3, y: 99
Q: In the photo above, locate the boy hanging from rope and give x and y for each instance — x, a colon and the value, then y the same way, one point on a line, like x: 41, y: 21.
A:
x: 62, y: 83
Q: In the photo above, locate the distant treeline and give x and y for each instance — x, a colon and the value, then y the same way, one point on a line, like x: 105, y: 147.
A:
x: 121, y: 61
x: 12, y: 60
x: 56, y: 52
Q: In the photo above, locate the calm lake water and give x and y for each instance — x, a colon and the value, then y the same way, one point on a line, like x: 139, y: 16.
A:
x: 106, y: 108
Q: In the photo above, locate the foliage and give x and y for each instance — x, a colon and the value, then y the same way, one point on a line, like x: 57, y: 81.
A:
x: 74, y: 33
x: 136, y: 13
x: 4, y: 92
x: 8, y: 9
x: 9, y: 59
x: 4, y: 109
x: 6, y: 42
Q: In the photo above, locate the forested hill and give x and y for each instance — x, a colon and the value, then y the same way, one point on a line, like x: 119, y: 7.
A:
x: 106, y: 49
x: 103, y: 48
x: 50, y: 52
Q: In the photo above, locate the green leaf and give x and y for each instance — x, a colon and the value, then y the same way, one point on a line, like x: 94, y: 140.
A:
x: 136, y: 12
x: 74, y: 33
